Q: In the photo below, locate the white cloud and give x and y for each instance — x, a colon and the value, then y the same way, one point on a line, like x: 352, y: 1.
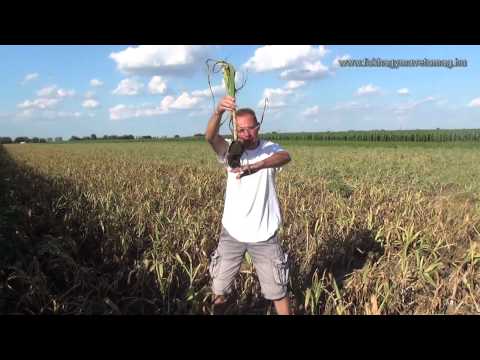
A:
x: 157, y: 85
x: 96, y: 82
x: 120, y: 112
x: 196, y: 101
x: 352, y: 105
x: 443, y: 102
x: 65, y: 93
x: 297, y: 62
x: 411, y: 105
x: 279, y: 57
x: 89, y: 94
x: 40, y: 103
x: 183, y: 102
x: 30, y: 77
x: 161, y: 59
x: 336, y: 63
x: 47, y: 91
x: 90, y: 104
x: 311, y: 111
x: 426, y: 100
x: 128, y: 87
x: 403, y: 91
x: 278, y: 97
x: 294, y: 84
x: 308, y: 71
x: 48, y: 114
x: 475, y: 102
x: 49, y: 97
x: 51, y: 91
x: 64, y: 114
x: 367, y: 90
x: 217, y: 90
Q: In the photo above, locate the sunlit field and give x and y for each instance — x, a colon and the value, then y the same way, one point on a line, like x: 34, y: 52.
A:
x: 128, y: 228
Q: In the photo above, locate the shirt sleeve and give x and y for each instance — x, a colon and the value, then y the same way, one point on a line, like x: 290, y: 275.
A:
x: 273, y: 148
x: 222, y: 159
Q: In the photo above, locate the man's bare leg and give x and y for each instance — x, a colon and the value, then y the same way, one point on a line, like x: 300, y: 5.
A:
x: 218, y: 299
x: 282, y: 306
x: 219, y: 304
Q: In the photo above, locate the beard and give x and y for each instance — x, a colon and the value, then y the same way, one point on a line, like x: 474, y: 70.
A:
x: 250, y: 143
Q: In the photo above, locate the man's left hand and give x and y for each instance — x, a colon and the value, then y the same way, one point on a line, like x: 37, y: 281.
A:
x: 246, y: 170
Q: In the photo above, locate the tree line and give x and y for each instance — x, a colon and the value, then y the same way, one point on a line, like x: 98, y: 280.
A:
x: 437, y: 135
x: 26, y: 139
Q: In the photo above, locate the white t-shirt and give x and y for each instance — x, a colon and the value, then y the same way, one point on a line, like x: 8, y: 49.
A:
x: 252, y: 212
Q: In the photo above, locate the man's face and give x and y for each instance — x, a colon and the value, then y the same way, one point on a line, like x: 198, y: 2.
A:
x: 247, y: 130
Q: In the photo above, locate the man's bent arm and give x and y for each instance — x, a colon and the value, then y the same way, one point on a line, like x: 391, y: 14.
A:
x: 276, y: 160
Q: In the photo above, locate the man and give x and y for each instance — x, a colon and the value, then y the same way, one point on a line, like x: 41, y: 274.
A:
x: 251, y: 214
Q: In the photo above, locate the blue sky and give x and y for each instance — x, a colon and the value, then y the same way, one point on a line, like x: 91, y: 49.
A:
x: 50, y: 91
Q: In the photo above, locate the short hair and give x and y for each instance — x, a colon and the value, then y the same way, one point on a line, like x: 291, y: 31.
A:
x: 246, y: 111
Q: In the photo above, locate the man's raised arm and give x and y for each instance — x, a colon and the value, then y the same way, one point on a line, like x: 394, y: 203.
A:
x: 218, y: 143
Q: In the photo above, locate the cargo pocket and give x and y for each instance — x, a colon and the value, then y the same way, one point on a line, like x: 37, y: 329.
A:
x: 214, y: 264
x: 281, y: 270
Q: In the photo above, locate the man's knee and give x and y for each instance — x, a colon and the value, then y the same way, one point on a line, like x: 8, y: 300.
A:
x: 219, y: 299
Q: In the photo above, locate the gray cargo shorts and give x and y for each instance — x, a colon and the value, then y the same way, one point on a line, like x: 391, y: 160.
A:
x: 270, y: 262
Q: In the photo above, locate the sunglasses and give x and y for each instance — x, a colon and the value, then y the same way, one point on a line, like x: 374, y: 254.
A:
x: 248, y: 129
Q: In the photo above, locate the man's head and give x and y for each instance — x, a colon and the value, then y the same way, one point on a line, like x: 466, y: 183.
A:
x: 247, y: 127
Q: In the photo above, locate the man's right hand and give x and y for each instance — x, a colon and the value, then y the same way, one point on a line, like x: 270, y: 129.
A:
x: 226, y: 104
